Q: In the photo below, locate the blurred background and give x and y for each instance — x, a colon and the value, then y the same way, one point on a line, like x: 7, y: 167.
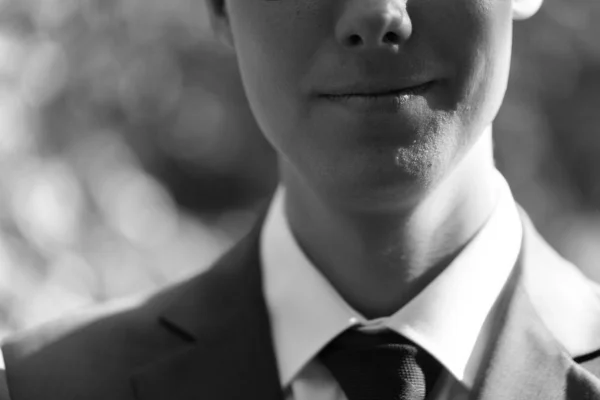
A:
x: 129, y: 158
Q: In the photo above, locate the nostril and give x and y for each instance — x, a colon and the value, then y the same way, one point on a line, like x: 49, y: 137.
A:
x: 355, y: 40
x: 391, y: 38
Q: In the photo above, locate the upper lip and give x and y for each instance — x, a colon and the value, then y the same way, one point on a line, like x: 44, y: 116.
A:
x: 371, y: 88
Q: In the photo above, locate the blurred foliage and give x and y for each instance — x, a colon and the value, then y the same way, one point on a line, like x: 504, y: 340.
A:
x: 129, y: 157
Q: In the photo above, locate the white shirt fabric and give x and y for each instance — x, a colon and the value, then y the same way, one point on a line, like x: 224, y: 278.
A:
x: 450, y: 318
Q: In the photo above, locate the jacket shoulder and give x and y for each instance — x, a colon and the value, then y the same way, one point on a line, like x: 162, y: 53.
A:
x: 91, y: 354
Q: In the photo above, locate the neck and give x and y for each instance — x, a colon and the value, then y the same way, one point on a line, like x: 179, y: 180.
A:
x: 378, y: 261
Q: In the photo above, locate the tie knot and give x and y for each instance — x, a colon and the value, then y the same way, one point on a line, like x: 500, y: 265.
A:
x: 379, y: 366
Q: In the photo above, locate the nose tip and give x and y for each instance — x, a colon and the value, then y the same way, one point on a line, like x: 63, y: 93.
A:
x: 373, y: 24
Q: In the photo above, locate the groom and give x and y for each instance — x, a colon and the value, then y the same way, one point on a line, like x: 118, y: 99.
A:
x: 392, y: 262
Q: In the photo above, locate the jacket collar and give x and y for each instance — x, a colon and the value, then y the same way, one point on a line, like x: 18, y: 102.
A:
x: 533, y: 357
x: 527, y: 362
x: 222, y: 317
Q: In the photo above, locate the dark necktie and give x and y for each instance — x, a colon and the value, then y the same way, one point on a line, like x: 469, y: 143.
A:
x: 380, y: 366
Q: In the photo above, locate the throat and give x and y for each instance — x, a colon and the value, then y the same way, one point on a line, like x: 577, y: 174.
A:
x: 378, y: 282
x: 379, y: 261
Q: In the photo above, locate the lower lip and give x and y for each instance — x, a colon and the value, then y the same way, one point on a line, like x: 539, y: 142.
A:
x: 384, y: 103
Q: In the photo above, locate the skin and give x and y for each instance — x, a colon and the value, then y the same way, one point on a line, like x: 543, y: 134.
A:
x: 380, y: 200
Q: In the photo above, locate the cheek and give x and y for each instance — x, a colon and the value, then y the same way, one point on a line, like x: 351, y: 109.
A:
x: 485, y: 43
x: 475, y: 35
x: 275, y: 43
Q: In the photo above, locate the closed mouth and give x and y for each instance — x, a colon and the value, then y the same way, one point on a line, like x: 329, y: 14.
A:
x: 409, y: 91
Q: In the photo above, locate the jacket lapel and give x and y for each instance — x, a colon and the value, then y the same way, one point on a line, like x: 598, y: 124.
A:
x: 223, y: 318
x: 527, y: 361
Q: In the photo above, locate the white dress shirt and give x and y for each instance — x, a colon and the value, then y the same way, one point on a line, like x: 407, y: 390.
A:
x: 450, y: 318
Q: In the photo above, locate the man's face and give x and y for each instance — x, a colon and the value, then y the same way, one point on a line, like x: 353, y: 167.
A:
x: 363, y: 98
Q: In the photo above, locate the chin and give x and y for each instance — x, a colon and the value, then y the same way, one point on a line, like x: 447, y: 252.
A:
x: 379, y: 171
x: 378, y: 185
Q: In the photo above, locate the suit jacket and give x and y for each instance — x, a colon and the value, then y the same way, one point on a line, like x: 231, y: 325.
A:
x: 209, y: 338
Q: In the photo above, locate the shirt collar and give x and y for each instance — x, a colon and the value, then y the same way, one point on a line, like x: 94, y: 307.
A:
x: 446, y: 318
